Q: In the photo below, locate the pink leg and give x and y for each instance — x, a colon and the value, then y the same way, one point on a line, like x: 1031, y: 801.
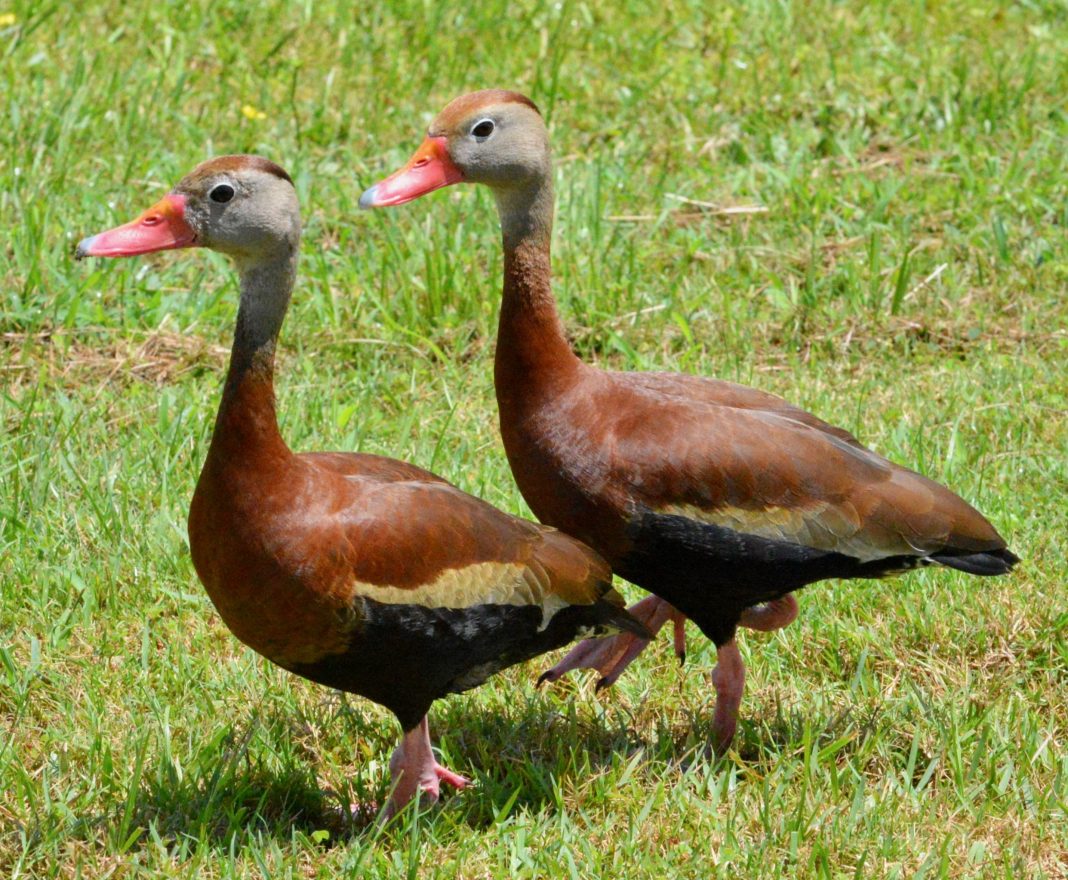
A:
x: 661, y: 615
x: 415, y: 772
x: 728, y: 678
x: 629, y: 649
x: 610, y: 656
x: 770, y: 616
x: 679, y: 620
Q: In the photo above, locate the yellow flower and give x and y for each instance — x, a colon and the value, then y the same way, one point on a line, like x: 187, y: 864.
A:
x: 7, y: 19
x: 252, y: 113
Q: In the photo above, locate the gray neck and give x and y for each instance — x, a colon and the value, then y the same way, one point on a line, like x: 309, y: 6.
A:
x: 246, y: 426
x: 526, y: 213
x: 265, y: 291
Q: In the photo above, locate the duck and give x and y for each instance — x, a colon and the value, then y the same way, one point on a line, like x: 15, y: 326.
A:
x: 718, y: 499
x: 356, y: 571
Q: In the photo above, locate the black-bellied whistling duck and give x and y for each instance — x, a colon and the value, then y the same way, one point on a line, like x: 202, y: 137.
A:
x: 356, y: 571
x: 717, y: 498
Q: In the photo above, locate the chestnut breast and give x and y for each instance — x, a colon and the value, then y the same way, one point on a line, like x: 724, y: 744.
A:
x: 557, y: 438
x: 275, y: 584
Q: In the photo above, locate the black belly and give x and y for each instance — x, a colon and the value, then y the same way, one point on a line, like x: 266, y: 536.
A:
x: 406, y: 656
x: 712, y: 573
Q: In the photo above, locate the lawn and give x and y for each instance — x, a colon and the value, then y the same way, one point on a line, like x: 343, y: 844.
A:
x: 859, y: 206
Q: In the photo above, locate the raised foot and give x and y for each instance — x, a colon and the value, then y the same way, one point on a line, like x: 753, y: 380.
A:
x: 610, y: 656
x: 771, y: 615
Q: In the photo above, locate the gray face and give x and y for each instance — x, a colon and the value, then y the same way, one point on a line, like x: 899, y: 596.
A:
x: 246, y: 214
x: 503, y: 145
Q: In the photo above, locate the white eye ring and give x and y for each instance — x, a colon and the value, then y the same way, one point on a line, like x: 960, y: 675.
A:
x: 483, y: 129
x: 222, y: 193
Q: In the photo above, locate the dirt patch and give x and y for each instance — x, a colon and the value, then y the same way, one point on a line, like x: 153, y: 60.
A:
x: 158, y: 358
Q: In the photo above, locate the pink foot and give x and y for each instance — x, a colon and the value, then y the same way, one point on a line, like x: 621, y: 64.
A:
x: 610, y: 656
x: 449, y: 778
x: 415, y: 773
x: 770, y: 616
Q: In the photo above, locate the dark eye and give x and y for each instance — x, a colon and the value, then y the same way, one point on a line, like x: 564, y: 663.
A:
x: 483, y: 128
x: 221, y: 193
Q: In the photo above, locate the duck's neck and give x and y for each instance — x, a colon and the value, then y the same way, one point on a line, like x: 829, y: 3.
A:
x: 247, y: 424
x: 532, y: 348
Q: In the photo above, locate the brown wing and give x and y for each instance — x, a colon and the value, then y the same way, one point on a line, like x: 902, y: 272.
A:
x: 368, y: 464
x: 716, y: 392
x: 739, y: 458
x: 396, y: 533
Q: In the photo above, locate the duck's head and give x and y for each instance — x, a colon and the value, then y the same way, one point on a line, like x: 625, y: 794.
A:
x: 243, y: 206
x: 494, y: 137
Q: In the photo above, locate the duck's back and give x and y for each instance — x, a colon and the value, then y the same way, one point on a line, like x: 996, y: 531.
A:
x: 708, y: 492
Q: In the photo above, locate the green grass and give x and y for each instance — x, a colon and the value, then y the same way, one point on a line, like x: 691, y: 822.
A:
x: 906, y: 281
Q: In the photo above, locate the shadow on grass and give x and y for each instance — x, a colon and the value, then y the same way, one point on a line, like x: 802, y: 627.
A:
x: 530, y: 754
x: 776, y: 734
x: 523, y: 755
